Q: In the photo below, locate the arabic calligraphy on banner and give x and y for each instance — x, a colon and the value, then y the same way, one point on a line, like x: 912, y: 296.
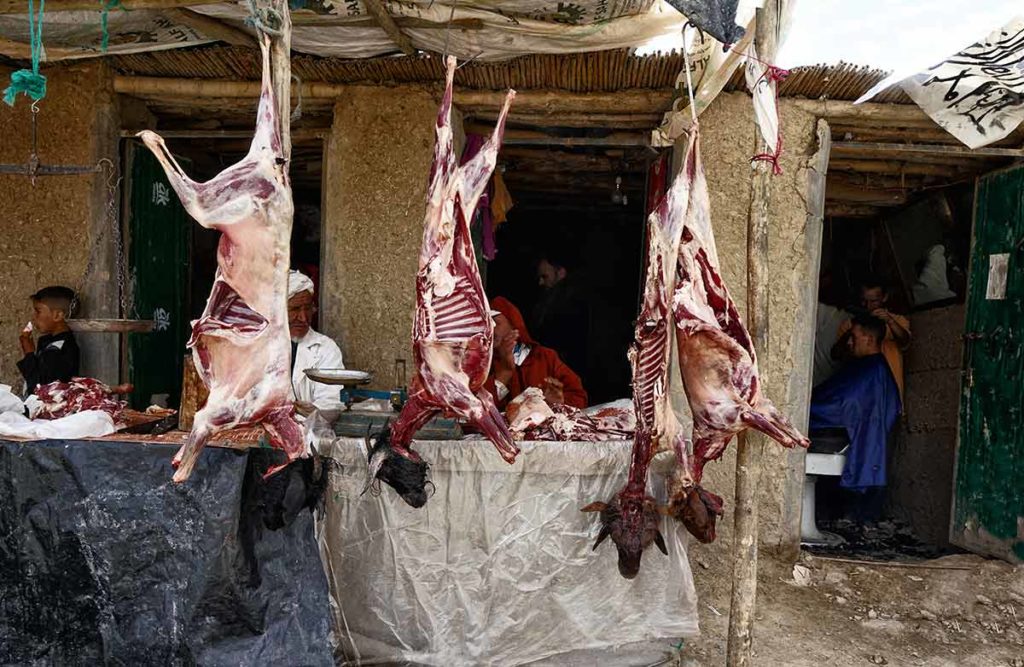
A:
x: 976, y: 95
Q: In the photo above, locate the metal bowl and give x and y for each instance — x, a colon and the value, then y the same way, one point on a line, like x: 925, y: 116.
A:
x: 339, y: 376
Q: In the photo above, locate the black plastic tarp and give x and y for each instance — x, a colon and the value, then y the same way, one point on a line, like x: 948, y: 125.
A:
x: 715, y: 17
x: 104, y: 560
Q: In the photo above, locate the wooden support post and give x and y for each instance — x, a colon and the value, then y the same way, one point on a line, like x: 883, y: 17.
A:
x: 281, y: 74
x: 750, y: 445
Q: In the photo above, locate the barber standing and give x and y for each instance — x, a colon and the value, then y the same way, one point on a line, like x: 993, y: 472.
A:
x: 310, y: 349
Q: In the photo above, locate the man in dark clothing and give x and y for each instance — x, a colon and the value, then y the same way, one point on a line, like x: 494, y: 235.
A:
x: 55, y: 356
x: 561, y: 318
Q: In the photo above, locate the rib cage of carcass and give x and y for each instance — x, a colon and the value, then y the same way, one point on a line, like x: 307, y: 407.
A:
x: 684, y: 289
x: 241, y: 343
x: 452, y: 329
x: 631, y: 517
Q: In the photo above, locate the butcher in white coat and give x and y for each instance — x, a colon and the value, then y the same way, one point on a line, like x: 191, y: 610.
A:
x: 310, y: 349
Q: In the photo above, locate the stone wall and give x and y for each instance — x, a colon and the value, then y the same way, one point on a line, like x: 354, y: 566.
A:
x: 378, y: 161
x: 921, y: 476
x: 727, y: 144
x: 46, y: 230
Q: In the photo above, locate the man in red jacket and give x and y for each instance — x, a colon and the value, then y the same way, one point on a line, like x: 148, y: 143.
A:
x: 520, y: 362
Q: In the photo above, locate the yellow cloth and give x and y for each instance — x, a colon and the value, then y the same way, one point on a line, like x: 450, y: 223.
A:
x: 501, y: 200
x: 890, y: 349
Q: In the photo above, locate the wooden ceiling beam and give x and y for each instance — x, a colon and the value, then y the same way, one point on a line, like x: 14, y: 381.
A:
x: 873, y: 111
x: 927, y: 149
x: 210, y: 27
x: 596, y: 120
x: 856, y: 194
x: 379, y: 12
x: 893, y: 167
x: 516, y: 137
x: 843, y: 210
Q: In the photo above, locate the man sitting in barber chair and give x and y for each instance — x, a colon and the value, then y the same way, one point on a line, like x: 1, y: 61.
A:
x: 864, y: 400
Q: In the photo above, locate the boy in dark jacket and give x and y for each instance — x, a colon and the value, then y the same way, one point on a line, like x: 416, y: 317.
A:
x: 55, y: 356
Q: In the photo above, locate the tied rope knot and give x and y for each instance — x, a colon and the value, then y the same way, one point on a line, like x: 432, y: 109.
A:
x: 772, y: 74
x: 29, y: 81
x: 265, y: 19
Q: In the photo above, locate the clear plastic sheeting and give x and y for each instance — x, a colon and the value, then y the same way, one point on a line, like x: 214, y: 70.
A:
x: 497, y: 569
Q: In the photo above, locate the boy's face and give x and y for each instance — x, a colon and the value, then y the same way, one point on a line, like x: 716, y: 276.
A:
x: 44, y: 318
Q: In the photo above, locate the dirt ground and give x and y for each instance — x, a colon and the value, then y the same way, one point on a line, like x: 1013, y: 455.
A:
x: 957, y: 610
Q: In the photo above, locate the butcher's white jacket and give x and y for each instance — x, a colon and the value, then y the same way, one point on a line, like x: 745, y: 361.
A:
x: 316, y: 350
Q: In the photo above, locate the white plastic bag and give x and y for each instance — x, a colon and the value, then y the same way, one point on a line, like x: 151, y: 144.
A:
x: 88, y: 424
x: 9, y: 402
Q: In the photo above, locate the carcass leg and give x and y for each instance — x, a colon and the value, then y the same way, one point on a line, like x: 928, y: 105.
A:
x: 285, y: 433
x: 767, y: 419
x: 187, y: 457
x: 494, y: 427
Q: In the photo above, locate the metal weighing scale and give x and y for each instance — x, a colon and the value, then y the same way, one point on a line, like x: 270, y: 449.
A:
x: 356, y: 423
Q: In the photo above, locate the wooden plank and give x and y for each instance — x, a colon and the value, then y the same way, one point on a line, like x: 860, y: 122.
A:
x: 210, y: 27
x: 845, y: 210
x: 379, y: 12
x: 928, y: 149
x: 750, y: 445
x: 111, y: 326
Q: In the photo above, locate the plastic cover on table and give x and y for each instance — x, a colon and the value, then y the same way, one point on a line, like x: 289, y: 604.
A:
x: 105, y: 560
x: 497, y: 568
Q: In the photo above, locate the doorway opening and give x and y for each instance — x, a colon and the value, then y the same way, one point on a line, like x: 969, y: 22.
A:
x: 898, y: 227
x: 570, y: 254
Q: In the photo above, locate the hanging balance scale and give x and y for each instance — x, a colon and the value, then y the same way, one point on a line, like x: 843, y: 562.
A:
x: 34, y: 169
x: 357, y: 423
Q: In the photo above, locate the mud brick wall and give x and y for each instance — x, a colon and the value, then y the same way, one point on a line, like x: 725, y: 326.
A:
x: 921, y: 477
x: 46, y: 230
x: 378, y: 161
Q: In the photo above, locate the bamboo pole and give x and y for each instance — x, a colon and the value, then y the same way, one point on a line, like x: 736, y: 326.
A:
x: 750, y: 447
x: 627, y: 101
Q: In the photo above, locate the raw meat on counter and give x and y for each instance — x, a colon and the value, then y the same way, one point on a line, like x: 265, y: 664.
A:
x: 631, y: 517
x: 531, y: 418
x: 452, y: 330
x: 716, y: 360
x: 60, y: 399
x: 240, y: 344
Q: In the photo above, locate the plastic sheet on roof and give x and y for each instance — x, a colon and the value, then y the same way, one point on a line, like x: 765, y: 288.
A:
x: 487, y: 30
x: 70, y: 35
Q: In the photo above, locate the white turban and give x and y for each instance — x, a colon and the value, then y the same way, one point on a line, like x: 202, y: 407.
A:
x: 298, y: 283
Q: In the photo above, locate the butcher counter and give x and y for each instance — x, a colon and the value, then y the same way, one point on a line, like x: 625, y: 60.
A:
x: 106, y: 561
x: 497, y: 568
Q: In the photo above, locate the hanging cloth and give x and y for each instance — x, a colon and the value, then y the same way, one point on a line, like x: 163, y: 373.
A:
x: 501, y: 199
x: 482, y: 215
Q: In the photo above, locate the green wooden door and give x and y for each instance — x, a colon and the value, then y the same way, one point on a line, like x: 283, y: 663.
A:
x: 988, y: 504
x: 159, y: 233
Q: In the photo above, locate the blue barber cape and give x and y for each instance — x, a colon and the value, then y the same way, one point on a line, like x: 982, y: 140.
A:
x: 863, y: 399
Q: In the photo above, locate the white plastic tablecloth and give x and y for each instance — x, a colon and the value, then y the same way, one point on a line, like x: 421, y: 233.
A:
x: 497, y: 568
